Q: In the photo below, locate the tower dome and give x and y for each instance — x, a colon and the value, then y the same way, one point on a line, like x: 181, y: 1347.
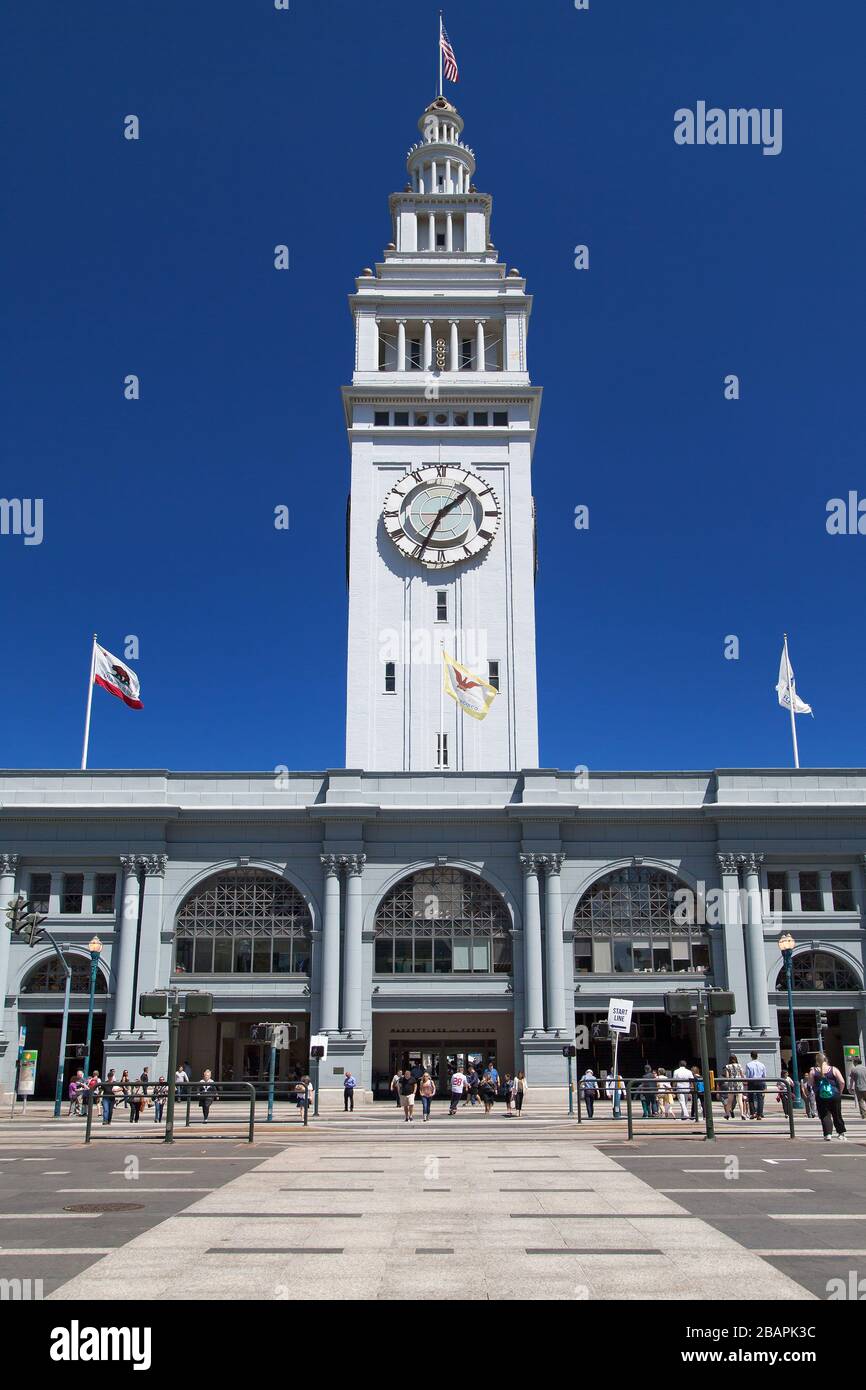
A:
x: 440, y: 162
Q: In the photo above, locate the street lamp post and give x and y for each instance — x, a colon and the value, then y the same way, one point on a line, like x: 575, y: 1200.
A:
x: 787, y: 945
x: 94, y: 946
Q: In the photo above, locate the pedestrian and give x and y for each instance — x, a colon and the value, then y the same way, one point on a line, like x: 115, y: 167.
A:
x: 160, y: 1096
x: 509, y: 1094
x: 124, y: 1085
x: 108, y: 1097
x: 137, y: 1102
x: 699, y: 1096
x: 732, y: 1089
x: 521, y: 1086
x: 493, y: 1073
x: 349, y: 1084
x: 473, y: 1085
x: 785, y: 1092
x: 408, y: 1087
x: 458, y: 1084
x: 807, y: 1091
x: 181, y: 1079
x: 144, y: 1081
x: 828, y: 1084
x: 428, y: 1091
x: 487, y: 1092
x: 207, y: 1094
x: 666, y: 1096
x: 756, y: 1083
x: 589, y: 1090
x: 395, y: 1087
x: 857, y: 1084
x: 648, y: 1088
x: 76, y: 1091
x: 684, y: 1082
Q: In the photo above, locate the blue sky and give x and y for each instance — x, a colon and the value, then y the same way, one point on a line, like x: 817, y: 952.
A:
x: 707, y: 517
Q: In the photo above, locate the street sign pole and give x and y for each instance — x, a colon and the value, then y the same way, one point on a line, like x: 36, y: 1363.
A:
x: 173, y: 1035
x: 272, y: 1068
x: 705, y: 1066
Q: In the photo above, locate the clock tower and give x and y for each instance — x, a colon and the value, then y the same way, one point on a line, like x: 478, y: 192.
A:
x: 442, y: 419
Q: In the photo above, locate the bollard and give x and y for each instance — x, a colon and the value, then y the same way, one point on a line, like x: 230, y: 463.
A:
x: 628, y: 1108
x: 252, y: 1091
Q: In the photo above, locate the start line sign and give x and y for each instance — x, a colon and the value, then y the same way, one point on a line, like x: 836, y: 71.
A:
x: 619, y: 1015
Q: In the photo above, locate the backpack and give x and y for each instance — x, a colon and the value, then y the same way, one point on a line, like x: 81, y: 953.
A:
x: 827, y: 1087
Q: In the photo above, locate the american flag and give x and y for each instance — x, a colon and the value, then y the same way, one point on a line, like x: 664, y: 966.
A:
x: 450, y: 62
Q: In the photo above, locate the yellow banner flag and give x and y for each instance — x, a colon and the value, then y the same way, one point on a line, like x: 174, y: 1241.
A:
x: 473, y: 695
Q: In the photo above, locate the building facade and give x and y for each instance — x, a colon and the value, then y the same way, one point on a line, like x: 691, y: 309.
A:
x: 441, y: 899
x: 433, y: 915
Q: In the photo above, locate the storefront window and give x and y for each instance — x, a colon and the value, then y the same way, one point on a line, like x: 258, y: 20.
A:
x: 444, y: 922
x: 630, y: 922
x: 246, y: 921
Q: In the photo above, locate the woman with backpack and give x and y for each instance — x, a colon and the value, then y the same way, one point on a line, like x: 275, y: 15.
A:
x: 828, y: 1083
x: 207, y: 1094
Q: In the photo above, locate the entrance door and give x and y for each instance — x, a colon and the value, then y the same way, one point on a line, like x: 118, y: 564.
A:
x: 441, y: 1060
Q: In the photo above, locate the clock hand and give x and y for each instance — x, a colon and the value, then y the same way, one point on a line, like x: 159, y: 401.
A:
x: 443, y: 511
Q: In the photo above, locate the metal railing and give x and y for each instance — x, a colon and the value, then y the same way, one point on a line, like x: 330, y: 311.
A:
x: 226, y: 1093
x: 700, y: 1100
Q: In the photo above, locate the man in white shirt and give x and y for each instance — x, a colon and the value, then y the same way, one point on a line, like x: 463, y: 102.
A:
x: 756, y: 1085
x: 459, y: 1084
x: 684, y: 1080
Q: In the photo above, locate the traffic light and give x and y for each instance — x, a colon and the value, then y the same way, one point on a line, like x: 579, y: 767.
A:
x: 721, y: 1001
x: 23, y: 920
x: 570, y: 1051
x: 153, y: 1005
x: 195, y: 1004
x: 677, y: 1004
x: 821, y: 1016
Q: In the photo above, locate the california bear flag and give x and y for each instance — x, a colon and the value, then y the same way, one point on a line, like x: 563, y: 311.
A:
x: 473, y: 695
x: 116, y: 677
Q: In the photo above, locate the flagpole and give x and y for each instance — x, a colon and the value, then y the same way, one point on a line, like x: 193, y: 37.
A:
x: 442, y: 706
x: 440, y: 53
x: 791, y: 702
x: 89, y: 704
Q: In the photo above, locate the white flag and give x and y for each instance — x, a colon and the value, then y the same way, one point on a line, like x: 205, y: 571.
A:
x: 786, y: 688
x: 116, y: 677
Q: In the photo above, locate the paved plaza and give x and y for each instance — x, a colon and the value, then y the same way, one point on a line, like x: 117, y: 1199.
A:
x: 367, y: 1207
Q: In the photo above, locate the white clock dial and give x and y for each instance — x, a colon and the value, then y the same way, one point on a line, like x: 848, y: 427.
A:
x: 441, y: 514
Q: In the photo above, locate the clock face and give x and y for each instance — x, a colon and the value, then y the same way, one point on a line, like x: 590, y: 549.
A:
x: 441, y: 514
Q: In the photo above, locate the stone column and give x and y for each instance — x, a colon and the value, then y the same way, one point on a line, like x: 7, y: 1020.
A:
x: 401, y: 345
x: 479, y: 345
x: 431, y: 224
x: 330, y: 996
x: 448, y: 188
x: 434, y: 181
x: 759, y: 1007
x: 123, y: 951
x: 153, y: 867
x: 553, y: 942
x: 449, y: 233
x: 455, y: 345
x: 376, y: 343
x: 352, y: 981
x: 534, y: 997
x: 8, y: 869
x: 428, y: 345
x: 735, y: 955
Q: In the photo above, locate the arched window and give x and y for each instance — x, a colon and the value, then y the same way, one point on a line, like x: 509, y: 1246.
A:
x: 243, y: 921
x: 48, y: 978
x: 630, y: 922
x: 443, y: 922
x: 819, y: 970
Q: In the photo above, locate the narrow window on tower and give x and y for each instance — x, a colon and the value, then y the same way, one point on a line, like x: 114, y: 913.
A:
x: 381, y: 417
x: 493, y: 674
x: 390, y: 678
x: 441, y: 605
x: 441, y: 750
x: 465, y: 354
x: 415, y: 353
